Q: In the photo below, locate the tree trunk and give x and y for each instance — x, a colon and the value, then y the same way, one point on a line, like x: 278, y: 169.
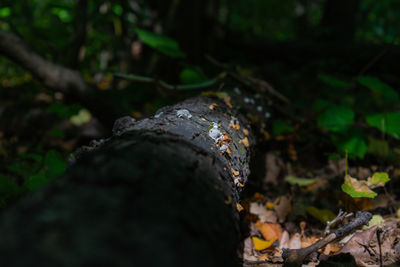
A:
x: 160, y: 192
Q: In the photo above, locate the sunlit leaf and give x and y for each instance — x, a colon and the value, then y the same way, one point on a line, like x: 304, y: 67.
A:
x: 375, y: 220
x: 81, y: 118
x: 357, y: 188
x: 379, y: 179
x: 336, y: 118
x: 163, y: 44
x: 386, y: 122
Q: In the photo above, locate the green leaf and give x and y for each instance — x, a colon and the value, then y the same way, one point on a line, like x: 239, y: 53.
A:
x: 356, y: 146
x: 357, y: 188
x: 280, y: 127
x: 386, y: 122
x: 377, y: 86
x: 37, y: 181
x: 62, y: 14
x: 323, y: 215
x: 163, y: 44
x: 299, y: 181
x: 336, y: 118
x: 55, y: 164
x: 379, y: 177
x: 117, y: 9
x: 5, y: 12
x: 332, y: 81
x: 192, y: 75
x: 353, y: 193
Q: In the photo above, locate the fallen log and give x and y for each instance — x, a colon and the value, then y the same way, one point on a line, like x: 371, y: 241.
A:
x: 162, y: 191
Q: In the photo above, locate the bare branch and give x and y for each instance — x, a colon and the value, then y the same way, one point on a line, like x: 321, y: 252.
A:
x: 51, y: 75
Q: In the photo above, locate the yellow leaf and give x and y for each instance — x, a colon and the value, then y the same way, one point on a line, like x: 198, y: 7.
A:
x: 260, y: 244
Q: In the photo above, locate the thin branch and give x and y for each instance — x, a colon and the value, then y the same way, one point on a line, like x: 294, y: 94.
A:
x: 297, y: 256
x: 165, y: 85
x: 51, y: 75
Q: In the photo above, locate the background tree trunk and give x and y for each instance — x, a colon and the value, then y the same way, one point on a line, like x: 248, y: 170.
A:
x: 157, y: 193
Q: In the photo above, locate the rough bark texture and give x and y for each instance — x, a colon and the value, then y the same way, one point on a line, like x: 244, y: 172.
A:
x: 159, y: 192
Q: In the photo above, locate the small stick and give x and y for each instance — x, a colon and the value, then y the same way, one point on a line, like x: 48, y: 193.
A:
x: 296, y: 256
x: 340, y: 217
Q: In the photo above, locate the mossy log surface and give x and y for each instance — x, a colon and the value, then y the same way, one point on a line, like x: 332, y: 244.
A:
x: 158, y: 193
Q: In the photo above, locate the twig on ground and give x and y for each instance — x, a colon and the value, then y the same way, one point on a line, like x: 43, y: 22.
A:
x: 340, y: 217
x: 297, y: 256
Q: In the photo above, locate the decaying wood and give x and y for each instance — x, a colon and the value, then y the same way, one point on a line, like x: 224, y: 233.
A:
x: 159, y: 192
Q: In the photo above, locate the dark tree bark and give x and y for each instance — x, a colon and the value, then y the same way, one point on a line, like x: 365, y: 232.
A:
x: 159, y: 192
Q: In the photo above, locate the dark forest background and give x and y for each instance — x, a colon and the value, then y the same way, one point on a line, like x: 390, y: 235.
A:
x: 335, y: 60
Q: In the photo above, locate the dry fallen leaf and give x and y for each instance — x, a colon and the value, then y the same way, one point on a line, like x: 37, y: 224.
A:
x: 263, y: 214
x: 357, y: 246
x: 246, y: 132
x: 269, y: 231
x: 260, y: 244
